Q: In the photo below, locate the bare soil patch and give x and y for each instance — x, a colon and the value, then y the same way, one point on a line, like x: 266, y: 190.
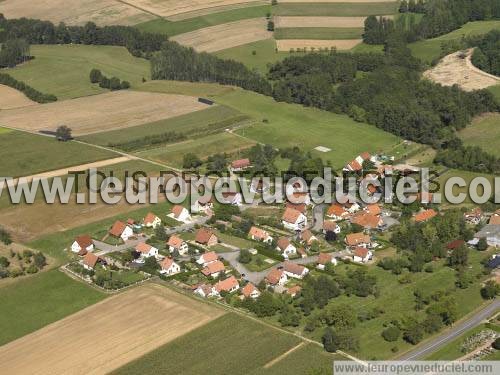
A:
x: 291, y: 21
x: 107, y: 335
x: 12, y: 98
x: 228, y: 35
x: 288, y: 44
x: 109, y: 111
x: 101, y: 12
x: 457, y: 69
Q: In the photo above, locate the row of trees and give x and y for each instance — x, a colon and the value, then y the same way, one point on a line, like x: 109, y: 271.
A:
x: 412, y: 6
x: 29, y: 91
x: 487, y: 54
x: 112, y: 83
x: 471, y: 158
x: 13, y: 52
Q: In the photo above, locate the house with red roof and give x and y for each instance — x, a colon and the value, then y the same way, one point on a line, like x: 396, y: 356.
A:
x: 293, y: 219
x: 213, y: 269
x: 175, y: 243
x: 367, y: 221
x: 360, y: 239
x: 206, y: 237
x: 207, y: 258
x: 90, y: 260
x: 228, y: 285
x: 258, y: 234
x: 169, y: 267
x: 232, y: 198
x: 361, y: 255
x: 151, y: 220
x: 331, y: 226
x: 146, y: 250
x: 295, y: 270
x: 425, y: 215
x: 276, y: 277
x: 180, y: 213
x: 121, y: 230
x: 203, y: 204
x: 324, y: 259
x: 286, y: 248
x: 240, y: 165
x: 82, y: 245
x: 308, y: 237
x: 250, y: 291
x: 337, y: 212
x: 205, y: 290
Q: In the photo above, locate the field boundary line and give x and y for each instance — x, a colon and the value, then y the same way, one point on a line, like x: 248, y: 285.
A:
x: 139, y: 8
x: 285, y: 354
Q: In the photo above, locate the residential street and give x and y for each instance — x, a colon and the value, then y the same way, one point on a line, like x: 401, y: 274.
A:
x: 424, y: 350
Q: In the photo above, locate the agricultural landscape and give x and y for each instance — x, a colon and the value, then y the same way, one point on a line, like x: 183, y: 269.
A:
x: 257, y: 88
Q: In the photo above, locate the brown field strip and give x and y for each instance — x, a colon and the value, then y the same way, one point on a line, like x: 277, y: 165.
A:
x: 288, y: 44
x: 457, y: 69
x: 164, y: 8
x: 228, y: 35
x: 101, y: 12
x: 107, y: 335
x: 12, y: 98
x: 109, y: 111
x: 297, y: 21
x: 217, y: 9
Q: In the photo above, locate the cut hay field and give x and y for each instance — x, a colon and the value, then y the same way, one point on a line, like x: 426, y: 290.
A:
x: 483, y: 132
x: 299, y: 22
x: 231, y: 352
x: 203, y: 147
x: 34, y: 302
x: 430, y: 49
x: 12, y: 98
x: 109, y: 334
x: 101, y: 12
x: 314, y: 44
x: 232, y: 34
x: 171, y: 28
x: 63, y: 70
x: 195, y: 122
x: 335, y: 9
x: 23, y: 154
x: 319, y: 33
x: 104, y: 112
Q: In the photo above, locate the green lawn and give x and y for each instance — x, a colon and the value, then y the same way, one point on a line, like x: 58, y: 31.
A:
x: 334, y: 9
x: 63, y: 70
x: 254, y: 267
x: 328, y: 33
x: 192, y: 122
x: 171, y: 28
x: 484, y: 132
x: 36, y: 301
x: 429, y: 50
x: 495, y: 90
x: 228, y: 345
x: 242, y: 243
x: 203, y: 147
x: 23, y: 154
x: 467, y: 176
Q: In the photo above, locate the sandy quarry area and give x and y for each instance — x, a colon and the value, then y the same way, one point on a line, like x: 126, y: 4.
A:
x: 288, y: 44
x: 457, y: 69
x: 297, y: 22
x: 76, y: 12
x: 228, y: 35
x: 97, y: 113
x: 108, y: 334
x: 12, y: 98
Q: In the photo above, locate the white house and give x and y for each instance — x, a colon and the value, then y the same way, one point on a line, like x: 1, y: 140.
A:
x: 276, y: 277
x: 324, y: 259
x: 176, y: 243
x: 207, y: 258
x: 331, y: 226
x: 358, y: 240
x: 250, y: 291
x: 82, y: 245
x: 169, y: 267
x: 90, y: 260
x: 121, y: 230
x: 258, y: 234
x: 307, y: 237
x: 205, y: 290
x: 228, y: 285
x: 294, y: 270
x: 180, y: 213
x: 233, y: 198
x: 491, y: 233
x: 213, y: 269
x: 286, y: 248
x: 152, y: 221
x: 361, y: 255
x: 240, y: 165
x: 146, y: 250
x: 293, y: 219
x: 202, y: 204
x: 337, y: 212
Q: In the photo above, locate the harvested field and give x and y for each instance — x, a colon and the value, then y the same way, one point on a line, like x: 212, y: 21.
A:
x: 164, y: 8
x: 12, y: 98
x: 336, y: 1
x: 228, y: 35
x: 319, y: 33
x: 300, y: 22
x: 109, y: 111
x: 457, y: 69
x: 101, y: 12
x: 216, y: 10
x: 107, y: 335
x: 288, y: 44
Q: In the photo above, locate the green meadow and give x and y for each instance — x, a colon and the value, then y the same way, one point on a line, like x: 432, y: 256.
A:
x: 483, y: 132
x: 328, y: 33
x: 346, y: 9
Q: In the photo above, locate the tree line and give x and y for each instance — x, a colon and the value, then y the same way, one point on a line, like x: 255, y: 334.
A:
x: 487, y: 54
x: 13, y: 52
x: 29, y: 91
x: 112, y: 83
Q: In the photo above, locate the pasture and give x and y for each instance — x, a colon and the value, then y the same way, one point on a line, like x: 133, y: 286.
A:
x: 319, y: 21
x: 483, y: 132
x: 12, y: 98
x: 109, y: 334
x: 314, y: 44
x: 34, y: 302
x: 335, y: 9
x: 104, y: 112
x: 63, y: 70
x: 319, y: 33
x: 101, y: 12
x: 24, y: 154
x: 232, y: 34
x: 171, y: 28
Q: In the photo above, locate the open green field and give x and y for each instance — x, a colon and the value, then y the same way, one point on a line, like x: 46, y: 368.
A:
x: 30, y: 304
x: 24, y: 154
x: 429, y: 50
x: 334, y: 9
x: 495, y: 90
x: 202, y: 147
x: 467, y: 176
x: 452, y: 349
x: 287, y: 125
x: 63, y: 70
x: 230, y: 352
x: 328, y: 33
x: 483, y: 132
x: 192, y: 122
x: 170, y: 28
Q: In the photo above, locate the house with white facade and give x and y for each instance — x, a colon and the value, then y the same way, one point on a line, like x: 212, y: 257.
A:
x: 146, y: 250
x: 324, y: 259
x: 293, y: 219
x: 258, y: 234
x: 180, y: 213
x: 175, y: 243
x: 361, y: 255
x: 294, y: 270
x: 82, y: 245
x: 169, y: 267
x: 286, y: 248
x: 121, y: 230
x: 151, y: 220
x: 276, y: 277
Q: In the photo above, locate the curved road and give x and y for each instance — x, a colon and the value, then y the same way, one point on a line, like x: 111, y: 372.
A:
x: 424, y: 350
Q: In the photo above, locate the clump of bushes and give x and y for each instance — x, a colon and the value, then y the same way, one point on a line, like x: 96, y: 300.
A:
x: 29, y: 91
x: 112, y: 83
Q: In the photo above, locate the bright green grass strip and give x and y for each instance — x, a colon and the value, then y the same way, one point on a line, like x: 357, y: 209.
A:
x: 5, y: 130
x: 334, y: 9
x: 484, y: 132
x: 321, y: 33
